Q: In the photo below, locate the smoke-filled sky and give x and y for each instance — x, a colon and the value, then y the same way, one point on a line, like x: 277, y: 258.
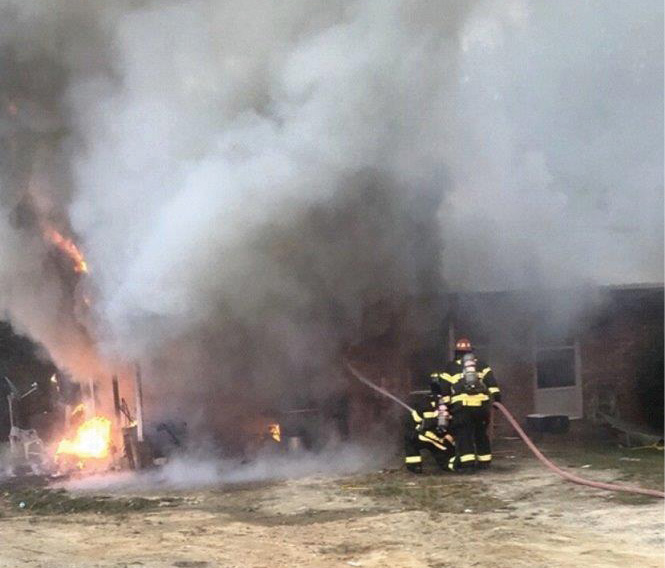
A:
x: 244, y: 177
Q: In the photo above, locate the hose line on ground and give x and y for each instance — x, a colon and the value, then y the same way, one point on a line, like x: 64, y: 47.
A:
x: 569, y: 476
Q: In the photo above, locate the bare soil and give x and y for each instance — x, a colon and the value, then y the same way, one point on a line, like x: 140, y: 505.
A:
x: 516, y: 515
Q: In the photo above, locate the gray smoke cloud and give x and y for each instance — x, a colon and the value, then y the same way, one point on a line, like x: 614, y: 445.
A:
x: 201, y: 470
x: 559, y: 167
x: 245, y: 178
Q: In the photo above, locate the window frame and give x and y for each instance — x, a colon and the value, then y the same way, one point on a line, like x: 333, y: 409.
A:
x: 574, y: 345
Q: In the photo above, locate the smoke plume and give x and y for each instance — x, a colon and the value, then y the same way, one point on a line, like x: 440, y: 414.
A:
x: 246, y: 178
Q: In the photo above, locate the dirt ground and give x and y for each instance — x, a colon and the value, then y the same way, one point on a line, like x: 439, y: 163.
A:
x: 516, y: 515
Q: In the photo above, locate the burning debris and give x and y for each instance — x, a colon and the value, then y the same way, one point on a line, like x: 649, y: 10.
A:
x: 92, y: 440
x: 275, y: 432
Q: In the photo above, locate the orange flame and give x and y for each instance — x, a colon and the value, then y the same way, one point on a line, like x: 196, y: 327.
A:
x: 79, y: 409
x: 275, y: 432
x: 68, y: 247
x: 92, y: 440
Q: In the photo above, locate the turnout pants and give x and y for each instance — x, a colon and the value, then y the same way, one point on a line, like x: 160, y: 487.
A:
x: 472, y: 445
x: 441, y: 448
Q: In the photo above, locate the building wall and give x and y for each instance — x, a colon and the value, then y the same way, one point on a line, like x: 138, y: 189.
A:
x: 619, y: 333
x: 500, y: 328
x: 620, y: 338
x: 621, y: 354
x: 382, y: 357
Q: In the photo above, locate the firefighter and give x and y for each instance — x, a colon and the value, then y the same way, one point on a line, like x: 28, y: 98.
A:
x: 468, y: 387
x: 426, y: 429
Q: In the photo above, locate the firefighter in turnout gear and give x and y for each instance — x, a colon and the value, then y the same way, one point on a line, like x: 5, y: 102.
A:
x: 426, y: 429
x: 468, y: 387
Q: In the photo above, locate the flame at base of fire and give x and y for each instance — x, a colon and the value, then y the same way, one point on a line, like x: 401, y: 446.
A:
x: 92, y: 440
x: 275, y: 432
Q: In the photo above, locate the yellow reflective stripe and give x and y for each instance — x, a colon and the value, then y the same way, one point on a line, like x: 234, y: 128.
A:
x: 451, y: 463
x: 416, y: 417
x: 451, y: 378
x: 413, y: 459
x: 470, y: 399
x: 432, y: 414
x: 482, y: 373
x: 480, y: 397
x: 446, y: 399
x: 434, y: 376
x: 432, y: 436
x: 467, y: 458
x: 484, y: 457
x: 429, y: 441
x: 494, y: 390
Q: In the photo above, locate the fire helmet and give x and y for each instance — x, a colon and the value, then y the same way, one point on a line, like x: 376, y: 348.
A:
x: 463, y: 344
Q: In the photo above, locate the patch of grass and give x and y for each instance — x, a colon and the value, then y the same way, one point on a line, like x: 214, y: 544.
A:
x: 443, y: 493
x: 253, y: 515
x: 346, y: 549
x: 631, y: 499
x: 642, y: 467
x: 629, y: 466
x: 45, y: 501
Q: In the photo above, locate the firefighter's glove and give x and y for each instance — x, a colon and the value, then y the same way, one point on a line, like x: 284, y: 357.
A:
x: 420, y: 423
x: 497, y: 397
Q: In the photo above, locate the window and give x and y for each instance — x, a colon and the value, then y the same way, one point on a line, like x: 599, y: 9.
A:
x: 557, y: 381
x: 555, y: 367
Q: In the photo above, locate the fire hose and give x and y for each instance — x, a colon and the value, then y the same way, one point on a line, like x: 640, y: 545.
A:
x: 511, y: 419
x: 569, y: 476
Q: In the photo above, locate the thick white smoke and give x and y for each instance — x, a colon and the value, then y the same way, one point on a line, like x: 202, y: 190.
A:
x: 245, y: 177
x: 558, y: 163
x: 187, y: 471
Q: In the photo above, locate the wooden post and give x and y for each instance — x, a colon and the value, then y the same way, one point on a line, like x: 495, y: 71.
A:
x: 10, y: 404
x: 138, y: 391
x: 93, y: 409
x: 116, y: 401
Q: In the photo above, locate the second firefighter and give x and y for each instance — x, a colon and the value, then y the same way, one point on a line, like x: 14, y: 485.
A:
x: 467, y: 386
x: 427, y: 429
